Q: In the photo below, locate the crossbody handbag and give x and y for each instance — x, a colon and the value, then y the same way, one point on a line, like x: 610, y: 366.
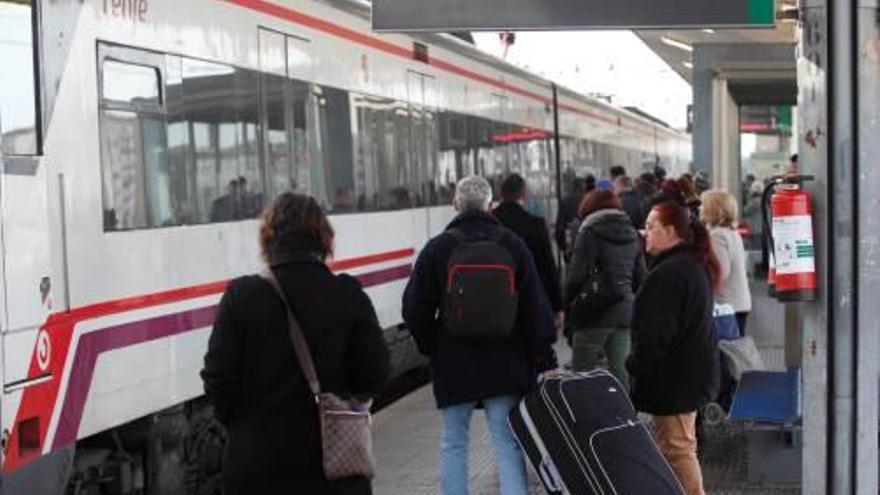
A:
x: 596, y: 296
x: 346, y: 441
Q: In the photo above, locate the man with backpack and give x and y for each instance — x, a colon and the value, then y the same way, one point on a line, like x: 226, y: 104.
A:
x: 475, y: 305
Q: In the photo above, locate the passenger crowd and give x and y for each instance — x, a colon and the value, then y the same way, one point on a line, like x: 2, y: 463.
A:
x: 646, y: 260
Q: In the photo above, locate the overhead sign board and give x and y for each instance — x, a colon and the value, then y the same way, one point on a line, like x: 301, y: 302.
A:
x: 557, y: 15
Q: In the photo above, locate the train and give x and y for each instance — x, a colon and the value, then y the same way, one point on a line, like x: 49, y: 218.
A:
x: 139, y: 141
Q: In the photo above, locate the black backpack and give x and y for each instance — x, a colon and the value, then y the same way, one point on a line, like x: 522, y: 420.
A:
x: 481, y: 295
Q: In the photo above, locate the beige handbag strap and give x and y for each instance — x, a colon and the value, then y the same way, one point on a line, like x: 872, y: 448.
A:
x: 300, y: 346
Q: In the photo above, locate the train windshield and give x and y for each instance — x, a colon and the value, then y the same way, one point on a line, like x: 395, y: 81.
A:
x: 18, y: 89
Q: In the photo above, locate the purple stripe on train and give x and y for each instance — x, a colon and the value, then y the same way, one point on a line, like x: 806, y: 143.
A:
x: 92, y: 344
x: 380, y: 277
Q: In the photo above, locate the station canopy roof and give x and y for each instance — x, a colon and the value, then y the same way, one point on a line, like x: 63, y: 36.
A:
x: 674, y: 32
x: 755, y: 81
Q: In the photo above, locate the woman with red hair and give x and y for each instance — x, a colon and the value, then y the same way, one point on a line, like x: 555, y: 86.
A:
x: 606, y: 250
x: 674, y: 359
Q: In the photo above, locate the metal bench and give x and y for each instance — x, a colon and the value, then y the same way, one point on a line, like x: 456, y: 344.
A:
x: 770, y: 403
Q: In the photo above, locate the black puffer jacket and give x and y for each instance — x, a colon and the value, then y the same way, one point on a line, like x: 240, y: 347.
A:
x: 674, y: 360
x: 607, y: 240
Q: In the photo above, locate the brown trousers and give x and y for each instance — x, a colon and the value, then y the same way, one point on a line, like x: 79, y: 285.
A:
x: 677, y: 439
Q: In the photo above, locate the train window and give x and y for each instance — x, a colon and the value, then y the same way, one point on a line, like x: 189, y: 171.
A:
x: 402, y: 149
x: 301, y: 179
x: 335, y: 151
x: 181, y: 150
x: 135, y: 173
x: 424, y: 146
x: 371, y: 152
x: 222, y: 110
x: 276, y: 112
x: 246, y: 102
x: 454, y: 158
x: 451, y: 140
x: 380, y: 153
x: 131, y: 145
x: 418, y: 155
x: 135, y: 85
x: 286, y: 105
x: 435, y: 194
x: 204, y: 87
x: 19, y: 96
x: 496, y: 154
x: 183, y: 192
x: 276, y: 115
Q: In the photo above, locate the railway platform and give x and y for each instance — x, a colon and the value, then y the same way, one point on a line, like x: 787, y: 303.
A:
x: 406, y: 433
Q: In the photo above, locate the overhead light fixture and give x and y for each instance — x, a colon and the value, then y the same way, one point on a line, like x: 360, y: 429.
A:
x: 688, y: 65
x: 677, y: 44
x: 709, y: 31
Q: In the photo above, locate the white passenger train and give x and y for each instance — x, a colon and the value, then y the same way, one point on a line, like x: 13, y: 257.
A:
x: 139, y: 139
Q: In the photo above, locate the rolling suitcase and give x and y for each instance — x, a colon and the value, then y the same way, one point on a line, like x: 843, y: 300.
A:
x: 582, y: 435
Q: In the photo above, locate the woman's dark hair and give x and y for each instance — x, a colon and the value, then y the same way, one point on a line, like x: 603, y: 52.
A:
x: 589, y: 183
x: 679, y: 191
x: 692, y: 232
x: 295, y: 223
x: 687, y: 186
x: 598, y: 199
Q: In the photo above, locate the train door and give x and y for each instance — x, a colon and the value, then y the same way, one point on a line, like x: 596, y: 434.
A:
x: 29, y: 199
x: 421, y: 142
x: 292, y: 147
x: 2, y: 290
x: 28, y: 234
x: 439, y: 190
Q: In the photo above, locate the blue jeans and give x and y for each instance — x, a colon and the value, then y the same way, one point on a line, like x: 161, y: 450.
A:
x: 454, y: 447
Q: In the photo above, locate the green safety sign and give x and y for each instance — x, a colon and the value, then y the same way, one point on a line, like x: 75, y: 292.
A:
x: 761, y: 12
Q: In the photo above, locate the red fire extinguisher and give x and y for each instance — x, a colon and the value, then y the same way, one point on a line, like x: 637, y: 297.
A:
x: 792, y: 257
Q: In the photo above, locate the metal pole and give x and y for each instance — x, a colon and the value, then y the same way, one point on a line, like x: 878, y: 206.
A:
x: 867, y: 59
x: 558, y: 159
x: 844, y: 233
x: 556, y: 147
x: 812, y: 146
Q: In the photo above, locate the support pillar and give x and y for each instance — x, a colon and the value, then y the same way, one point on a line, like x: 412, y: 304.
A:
x: 839, y: 76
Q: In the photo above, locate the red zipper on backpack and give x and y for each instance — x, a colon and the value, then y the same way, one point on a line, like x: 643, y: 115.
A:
x: 457, y: 268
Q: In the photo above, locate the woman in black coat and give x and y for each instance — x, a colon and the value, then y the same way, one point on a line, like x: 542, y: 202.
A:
x: 674, y: 360
x: 608, y: 243
x: 251, y: 373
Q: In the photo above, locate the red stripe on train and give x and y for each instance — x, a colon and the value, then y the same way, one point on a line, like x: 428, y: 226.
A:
x: 348, y: 264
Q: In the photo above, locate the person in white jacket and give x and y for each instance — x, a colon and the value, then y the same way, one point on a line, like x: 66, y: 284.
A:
x: 719, y: 212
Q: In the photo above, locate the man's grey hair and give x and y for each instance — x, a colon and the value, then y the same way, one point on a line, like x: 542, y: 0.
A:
x: 473, y: 193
